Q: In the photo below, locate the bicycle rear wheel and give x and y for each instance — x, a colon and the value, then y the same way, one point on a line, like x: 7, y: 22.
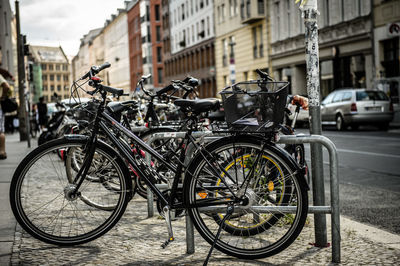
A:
x: 257, y: 228
x: 44, y: 203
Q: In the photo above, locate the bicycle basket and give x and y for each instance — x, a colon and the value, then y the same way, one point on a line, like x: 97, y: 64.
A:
x: 255, y: 105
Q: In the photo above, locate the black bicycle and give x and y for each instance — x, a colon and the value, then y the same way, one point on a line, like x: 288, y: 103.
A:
x: 245, y: 195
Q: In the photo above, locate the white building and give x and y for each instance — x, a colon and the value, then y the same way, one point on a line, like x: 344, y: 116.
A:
x: 191, y: 22
x: 116, y: 51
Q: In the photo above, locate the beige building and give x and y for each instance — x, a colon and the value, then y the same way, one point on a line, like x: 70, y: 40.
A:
x: 55, y: 70
x: 241, y: 40
x: 116, y: 50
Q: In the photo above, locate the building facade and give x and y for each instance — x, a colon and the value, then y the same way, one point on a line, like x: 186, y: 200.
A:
x: 116, y: 50
x: 191, y: 36
x: 54, y: 71
x: 6, y: 37
x: 241, y: 40
x: 80, y: 62
x: 345, y: 46
x: 145, y: 42
x: 387, y: 38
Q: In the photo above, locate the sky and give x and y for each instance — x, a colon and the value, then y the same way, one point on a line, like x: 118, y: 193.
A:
x: 63, y: 22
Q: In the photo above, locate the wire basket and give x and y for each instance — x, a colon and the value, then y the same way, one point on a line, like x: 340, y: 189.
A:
x: 255, y: 105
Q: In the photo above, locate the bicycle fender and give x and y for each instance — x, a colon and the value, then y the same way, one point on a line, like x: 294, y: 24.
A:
x: 76, y: 137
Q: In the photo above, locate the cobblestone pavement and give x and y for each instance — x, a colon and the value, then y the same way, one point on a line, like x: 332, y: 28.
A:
x: 136, y: 240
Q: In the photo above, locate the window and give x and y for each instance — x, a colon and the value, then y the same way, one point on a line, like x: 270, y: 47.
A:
x: 51, y: 77
x: 45, y: 88
x: 261, y: 7
x: 338, y: 97
x: 260, y: 45
x: 326, y: 13
x: 246, y: 75
x: 223, y: 12
x: 347, y: 96
x: 224, y: 52
x: 57, y: 67
x: 44, y: 77
x: 51, y: 87
x: 258, y: 48
x: 255, y: 46
x: 288, y: 21
x: 208, y: 26
x: 58, y: 87
x: 277, y: 27
x: 157, y: 12
x: 231, y: 8
x: 328, y: 98
x: 51, y: 67
x: 65, y: 77
x: 66, y: 89
x: 160, y: 75
x: 58, y: 77
x: 158, y: 33
x: 159, y: 54
x: 44, y: 67
x: 183, y: 12
x: 5, y: 23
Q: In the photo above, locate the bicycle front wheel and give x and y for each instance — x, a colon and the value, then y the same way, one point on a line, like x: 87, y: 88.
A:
x: 273, y: 199
x: 45, y: 203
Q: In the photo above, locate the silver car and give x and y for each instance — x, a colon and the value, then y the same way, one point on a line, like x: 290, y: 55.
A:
x: 353, y: 107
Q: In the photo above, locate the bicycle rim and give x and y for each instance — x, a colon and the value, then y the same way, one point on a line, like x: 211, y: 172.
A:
x: 250, y: 232
x: 41, y: 197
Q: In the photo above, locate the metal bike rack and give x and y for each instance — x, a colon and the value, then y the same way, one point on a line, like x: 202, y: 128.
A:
x: 333, y: 209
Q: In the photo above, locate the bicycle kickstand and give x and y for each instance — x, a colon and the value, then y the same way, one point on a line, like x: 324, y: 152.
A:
x: 229, y: 211
x: 167, y: 213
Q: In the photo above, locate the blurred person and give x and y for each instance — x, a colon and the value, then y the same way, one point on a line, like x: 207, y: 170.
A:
x: 42, y: 112
x: 4, y: 92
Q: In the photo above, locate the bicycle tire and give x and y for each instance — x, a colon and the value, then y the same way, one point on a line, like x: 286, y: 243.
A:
x: 200, y: 183
x: 40, y: 196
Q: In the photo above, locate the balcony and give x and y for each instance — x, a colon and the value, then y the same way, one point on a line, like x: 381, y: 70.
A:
x: 252, y: 11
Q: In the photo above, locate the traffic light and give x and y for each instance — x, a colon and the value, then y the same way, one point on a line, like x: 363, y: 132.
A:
x: 25, y: 45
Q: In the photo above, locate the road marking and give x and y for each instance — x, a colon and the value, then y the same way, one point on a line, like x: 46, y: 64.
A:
x: 359, y: 137
x: 369, y: 153
x: 364, y: 153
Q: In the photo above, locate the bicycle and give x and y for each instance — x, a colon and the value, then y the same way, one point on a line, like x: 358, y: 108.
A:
x: 246, y: 196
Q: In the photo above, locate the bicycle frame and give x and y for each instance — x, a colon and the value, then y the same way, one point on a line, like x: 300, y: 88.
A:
x: 125, y: 150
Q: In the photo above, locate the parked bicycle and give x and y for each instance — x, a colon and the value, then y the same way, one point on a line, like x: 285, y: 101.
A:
x: 245, y: 195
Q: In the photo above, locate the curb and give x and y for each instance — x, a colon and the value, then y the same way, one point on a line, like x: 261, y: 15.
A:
x: 372, y: 233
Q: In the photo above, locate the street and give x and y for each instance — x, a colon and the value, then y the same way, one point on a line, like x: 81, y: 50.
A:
x: 369, y: 175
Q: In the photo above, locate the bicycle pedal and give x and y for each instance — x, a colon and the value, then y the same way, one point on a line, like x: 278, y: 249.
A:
x: 166, y: 243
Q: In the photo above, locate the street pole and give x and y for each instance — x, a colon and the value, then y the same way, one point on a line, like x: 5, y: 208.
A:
x: 310, y: 11
x: 23, y: 134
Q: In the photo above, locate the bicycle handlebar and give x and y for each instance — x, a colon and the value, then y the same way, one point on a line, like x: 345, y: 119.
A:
x: 95, y: 70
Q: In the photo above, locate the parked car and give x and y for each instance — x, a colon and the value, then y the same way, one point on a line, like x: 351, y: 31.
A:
x: 353, y: 107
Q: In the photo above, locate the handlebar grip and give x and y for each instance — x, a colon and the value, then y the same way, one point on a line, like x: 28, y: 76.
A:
x: 96, y: 69
x: 262, y: 74
x: 165, y: 89
x: 112, y: 90
x: 103, y: 66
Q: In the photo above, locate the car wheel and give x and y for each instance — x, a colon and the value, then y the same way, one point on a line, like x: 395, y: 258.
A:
x: 340, y: 123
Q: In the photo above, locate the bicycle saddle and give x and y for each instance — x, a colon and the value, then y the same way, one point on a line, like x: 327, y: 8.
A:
x: 198, y: 106
x: 116, y: 107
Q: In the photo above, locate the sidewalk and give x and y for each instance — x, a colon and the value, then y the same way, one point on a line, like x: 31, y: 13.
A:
x: 16, y: 150
x: 136, y: 239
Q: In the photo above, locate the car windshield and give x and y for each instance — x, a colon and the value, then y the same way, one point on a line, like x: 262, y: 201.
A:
x: 371, y: 96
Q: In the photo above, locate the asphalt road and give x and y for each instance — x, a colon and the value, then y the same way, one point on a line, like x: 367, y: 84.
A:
x: 369, y: 175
